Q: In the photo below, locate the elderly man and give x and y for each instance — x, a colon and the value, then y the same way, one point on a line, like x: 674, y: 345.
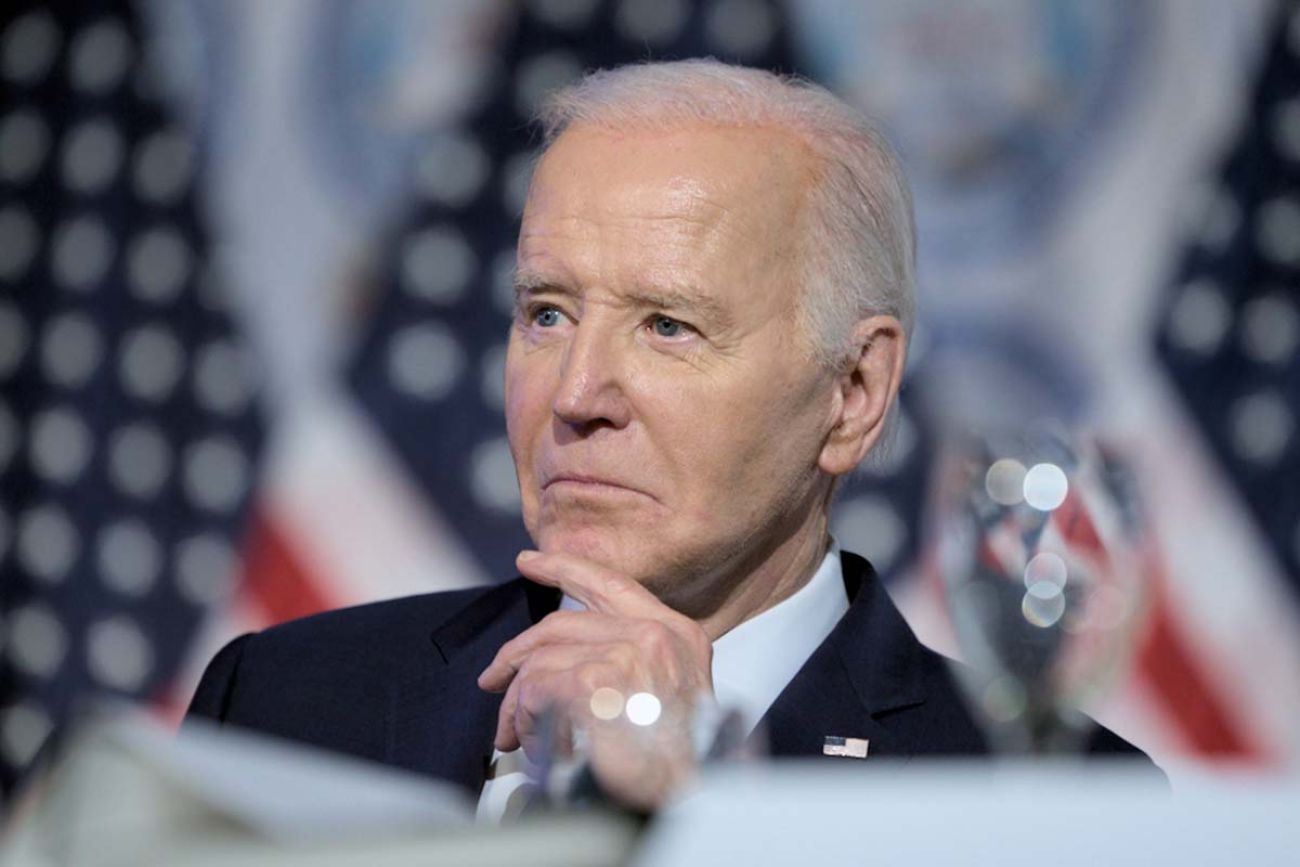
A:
x: 714, y: 298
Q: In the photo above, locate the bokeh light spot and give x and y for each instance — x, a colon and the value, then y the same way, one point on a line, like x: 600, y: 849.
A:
x: 643, y: 709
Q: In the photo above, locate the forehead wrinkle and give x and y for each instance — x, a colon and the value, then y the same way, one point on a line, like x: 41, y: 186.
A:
x: 680, y: 225
x: 691, y: 210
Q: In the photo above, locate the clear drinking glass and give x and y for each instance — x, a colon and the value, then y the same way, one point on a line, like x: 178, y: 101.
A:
x: 1041, y: 549
x: 649, y: 750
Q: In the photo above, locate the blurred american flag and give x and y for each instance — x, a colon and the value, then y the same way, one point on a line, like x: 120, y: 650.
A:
x: 312, y: 235
x: 128, y: 436
x: 1230, y: 340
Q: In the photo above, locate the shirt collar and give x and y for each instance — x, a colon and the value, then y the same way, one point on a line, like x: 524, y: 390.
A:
x: 755, y: 661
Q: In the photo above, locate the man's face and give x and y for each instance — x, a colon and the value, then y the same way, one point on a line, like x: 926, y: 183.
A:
x: 664, y: 412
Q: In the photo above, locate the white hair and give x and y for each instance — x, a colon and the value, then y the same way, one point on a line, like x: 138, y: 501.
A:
x: 858, y: 235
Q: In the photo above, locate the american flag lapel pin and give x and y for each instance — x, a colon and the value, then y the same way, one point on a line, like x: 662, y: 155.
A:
x: 850, y: 748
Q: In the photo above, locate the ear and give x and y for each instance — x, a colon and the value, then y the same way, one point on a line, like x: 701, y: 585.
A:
x: 867, y: 388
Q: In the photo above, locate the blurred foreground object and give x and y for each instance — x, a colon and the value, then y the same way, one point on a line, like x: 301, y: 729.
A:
x: 1042, y: 560
x: 125, y: 791
x: 649, y: 751
x: 1007, y: 814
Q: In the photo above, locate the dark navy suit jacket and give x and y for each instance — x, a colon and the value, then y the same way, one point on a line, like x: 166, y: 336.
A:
x: 395, y: 682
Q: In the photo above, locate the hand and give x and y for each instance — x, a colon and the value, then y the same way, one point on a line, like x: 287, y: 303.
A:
x: 626, y: 640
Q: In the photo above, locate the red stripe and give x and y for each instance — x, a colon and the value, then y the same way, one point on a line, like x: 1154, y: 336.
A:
x: 276, y: 577
x: 1076, y: 527
x: 275, y: 584
x: 1164, y: 664
x: 1164, y: 660
x: 1174, y: 678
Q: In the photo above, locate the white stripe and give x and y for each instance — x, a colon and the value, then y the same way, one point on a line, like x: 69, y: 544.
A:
x: 1225, y: 589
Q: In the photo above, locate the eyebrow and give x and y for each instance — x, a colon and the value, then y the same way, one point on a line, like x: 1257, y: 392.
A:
x: 535, y: 281
x: 685, y: 298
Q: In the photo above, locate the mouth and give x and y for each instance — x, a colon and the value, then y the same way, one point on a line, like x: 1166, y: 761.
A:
x: 586, y: 483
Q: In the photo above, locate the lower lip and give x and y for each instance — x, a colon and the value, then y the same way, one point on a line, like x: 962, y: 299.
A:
x: 577, y: 486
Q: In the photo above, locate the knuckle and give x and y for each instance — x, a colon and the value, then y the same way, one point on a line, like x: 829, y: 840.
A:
x: 611, y: 585
x: 558, y: 619
x: 653, y: 637
x: 624, y: 657
x: 592, y: 676
x: 525, y: 667
x: 587, y: 679
x: 532, y: 699
x: 548, y: 657
x: 693, y: 637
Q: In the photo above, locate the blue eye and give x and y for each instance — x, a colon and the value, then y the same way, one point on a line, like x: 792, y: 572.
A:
x: 665, y: 327
x: 547, y: 317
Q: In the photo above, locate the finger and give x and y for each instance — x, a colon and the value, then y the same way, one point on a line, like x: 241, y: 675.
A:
x: 559, y: 683
x: 543, y: 714
x: 600, y: 589
x: 506, y: 739
x: 560, y: 627
x: 546, y: 675
x: 529, y: 723
x: 552, y: 737
x: 554, y: 705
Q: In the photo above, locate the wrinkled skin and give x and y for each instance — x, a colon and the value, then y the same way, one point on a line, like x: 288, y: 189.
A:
x: 675, y: 441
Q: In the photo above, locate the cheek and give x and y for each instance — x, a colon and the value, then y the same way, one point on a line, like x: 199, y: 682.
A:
x: 526, y: 410
x: 762, y: 438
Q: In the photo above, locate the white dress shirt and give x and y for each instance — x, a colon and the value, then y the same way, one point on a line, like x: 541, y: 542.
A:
x: 754, y: 661
x: 751, y: 666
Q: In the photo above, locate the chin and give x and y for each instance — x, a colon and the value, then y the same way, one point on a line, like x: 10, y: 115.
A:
x: 600, y: 545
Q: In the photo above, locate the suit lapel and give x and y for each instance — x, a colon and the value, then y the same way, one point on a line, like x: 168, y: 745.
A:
x: 441, y: 723
x: 861, y: 681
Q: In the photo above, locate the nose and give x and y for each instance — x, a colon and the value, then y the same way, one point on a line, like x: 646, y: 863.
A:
x: 591, y: 391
